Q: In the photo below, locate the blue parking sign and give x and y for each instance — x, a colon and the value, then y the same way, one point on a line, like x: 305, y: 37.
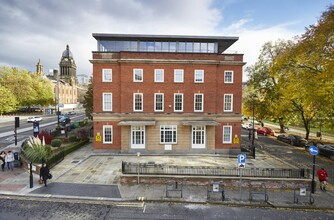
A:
x: 241, y: 158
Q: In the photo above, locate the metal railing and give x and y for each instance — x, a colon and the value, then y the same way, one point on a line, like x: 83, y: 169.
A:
x: 160, y: 169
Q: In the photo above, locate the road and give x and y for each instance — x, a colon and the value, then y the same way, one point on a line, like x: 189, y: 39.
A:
x: 25, y: 130
x: 43, y: 208
x: 296, y: 156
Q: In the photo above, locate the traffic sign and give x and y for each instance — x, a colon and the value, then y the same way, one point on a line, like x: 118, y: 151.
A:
x: 313, y: 150
x: 241, y: 160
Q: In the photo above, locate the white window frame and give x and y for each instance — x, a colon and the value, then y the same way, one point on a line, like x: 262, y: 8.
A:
x: 104, y: 108
x: 158, y: 72
x: 202, y: 104
x: 163, y: 131
x: 134, y: 102
x: 226, y: 78
x: 105, y: 74
x: 195, y: 129
x: 227, y: 134
x: 199, y: 76
x: 141, y: 130
x: 139, y: 72
x: 105, y: 127
x: 228, y: 103
x: 178, y: 73
x: 176, y: 94
x: 155, y: 102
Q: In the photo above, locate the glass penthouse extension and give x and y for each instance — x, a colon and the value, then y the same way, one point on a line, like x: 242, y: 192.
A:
x: 156, y: 46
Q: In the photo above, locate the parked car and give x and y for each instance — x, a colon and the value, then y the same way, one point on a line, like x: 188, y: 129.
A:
x: 247, y: 126
x: 266, y: 131
x: 294, y: 140
x: 71, y: 113
x: 34, y: 119
x: 64, y: 119
x: 326, y: 150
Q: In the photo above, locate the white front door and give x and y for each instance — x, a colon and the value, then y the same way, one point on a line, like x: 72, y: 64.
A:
x: 138, y: 137
x: 198, y: 136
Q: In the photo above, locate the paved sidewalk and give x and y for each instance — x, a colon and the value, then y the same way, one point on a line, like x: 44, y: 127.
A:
x: 92, y: 174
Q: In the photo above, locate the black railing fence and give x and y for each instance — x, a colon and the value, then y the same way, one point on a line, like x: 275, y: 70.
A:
x: 161, y: 169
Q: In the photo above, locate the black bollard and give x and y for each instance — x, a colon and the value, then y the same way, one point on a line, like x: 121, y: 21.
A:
x: 30, y: 177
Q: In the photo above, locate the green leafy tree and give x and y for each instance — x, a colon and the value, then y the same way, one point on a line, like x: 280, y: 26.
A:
x: 263, y: 88
x: 8, y: 101
x: 309, y: 75
x: 88, y: 100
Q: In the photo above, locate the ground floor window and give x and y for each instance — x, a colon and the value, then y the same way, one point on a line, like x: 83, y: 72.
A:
x: 168, y: 134
x: 227, y: 134
x: 138, y: 137
x: 107, y: 134
x: 198, y: 136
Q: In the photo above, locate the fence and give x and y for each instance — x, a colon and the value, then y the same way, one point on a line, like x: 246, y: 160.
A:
x: 160, y: 169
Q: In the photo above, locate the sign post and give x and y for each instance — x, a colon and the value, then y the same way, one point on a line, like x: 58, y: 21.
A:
x: 241, y: 165
x: 313, y: 151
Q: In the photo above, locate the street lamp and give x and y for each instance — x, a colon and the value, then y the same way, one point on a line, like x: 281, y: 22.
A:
x: 253, y: 127
x: 55, y: 72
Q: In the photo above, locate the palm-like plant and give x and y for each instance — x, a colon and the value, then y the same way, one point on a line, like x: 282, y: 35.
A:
x: 36, y: 151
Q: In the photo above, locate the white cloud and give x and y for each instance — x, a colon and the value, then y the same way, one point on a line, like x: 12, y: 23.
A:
x: 251, y: 39
x: 42, y: 29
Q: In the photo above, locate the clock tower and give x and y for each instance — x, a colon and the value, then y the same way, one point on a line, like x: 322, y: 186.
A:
x: 68, y: 67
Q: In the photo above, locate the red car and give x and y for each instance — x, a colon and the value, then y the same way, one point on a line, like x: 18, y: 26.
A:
x: 265, y: 131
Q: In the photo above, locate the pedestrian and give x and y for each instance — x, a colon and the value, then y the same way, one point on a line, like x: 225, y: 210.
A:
x: 2, y: 160
x: 44, y: 173
x: 323, y: 178
x: 10, y: 160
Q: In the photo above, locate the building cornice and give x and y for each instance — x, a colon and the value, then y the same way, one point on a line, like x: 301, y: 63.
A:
x: 159, y: 61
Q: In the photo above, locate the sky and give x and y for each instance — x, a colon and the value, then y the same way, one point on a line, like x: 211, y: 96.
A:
x: 40, y: 29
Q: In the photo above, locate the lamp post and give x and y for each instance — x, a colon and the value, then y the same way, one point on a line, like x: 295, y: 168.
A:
x: 55, y: 72
x: 253, y: 127
x: 138, y: 154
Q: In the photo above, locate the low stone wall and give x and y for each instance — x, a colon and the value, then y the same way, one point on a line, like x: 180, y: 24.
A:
x: 229, y: 182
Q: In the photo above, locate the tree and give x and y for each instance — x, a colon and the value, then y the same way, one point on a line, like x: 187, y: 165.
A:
x: 24, y: 88
x: 88, y: 99
x: 264, y: 84
x: 294, y: 81
x: 309, y: 71
x: 8, y: 102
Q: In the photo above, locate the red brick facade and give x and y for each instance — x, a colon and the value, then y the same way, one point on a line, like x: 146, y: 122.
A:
x: 210, y: 121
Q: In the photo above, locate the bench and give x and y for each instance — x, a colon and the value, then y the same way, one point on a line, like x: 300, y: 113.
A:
x: 174, y: 186
x: 261, y: 191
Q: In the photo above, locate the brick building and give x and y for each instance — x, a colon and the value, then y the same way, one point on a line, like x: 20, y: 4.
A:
x: 166, y: 94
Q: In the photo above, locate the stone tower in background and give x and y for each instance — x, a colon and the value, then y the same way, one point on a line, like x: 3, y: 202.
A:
x: 39, y: 68
x: 68, y: 67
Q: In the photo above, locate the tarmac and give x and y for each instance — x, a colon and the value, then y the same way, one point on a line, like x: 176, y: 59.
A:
x: 93, y: 175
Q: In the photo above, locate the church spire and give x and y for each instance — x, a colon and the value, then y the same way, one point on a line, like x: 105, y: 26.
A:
x: 39, y: 68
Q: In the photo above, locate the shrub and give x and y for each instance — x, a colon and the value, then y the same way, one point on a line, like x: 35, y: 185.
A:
x: 83, y: 134
x: 36, y: 151
x: 47, y: 137
x: 56, y: 142
x: 73, y: 138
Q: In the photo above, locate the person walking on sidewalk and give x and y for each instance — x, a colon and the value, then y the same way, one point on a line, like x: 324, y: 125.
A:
x: 2, y: 160
x: 323, y: 177
x: 44, y: 173
x: 10, y: 160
